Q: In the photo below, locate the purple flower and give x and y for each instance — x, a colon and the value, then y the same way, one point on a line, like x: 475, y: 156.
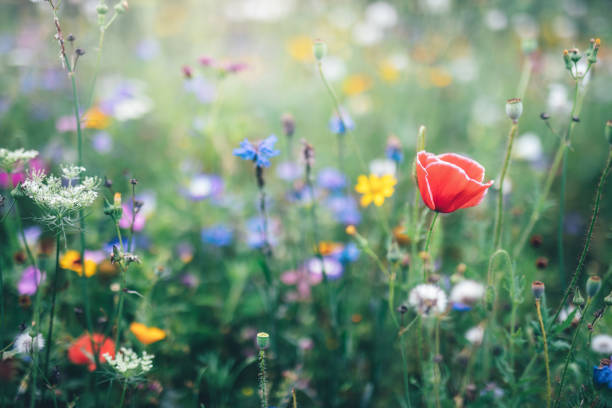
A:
x: 255, y: 232
x: 303, y: 280
x: 102, y: 142
x: 204, y: 186
x: 344, y: 209
x: 29, y: 281
x: 288, y: 171
x: 218, y: 235
x: 127, y: 217
x: 602, y: 374
x: 338, y: 126
x: 333, y: 268
x: 260, y: 152
x: 203, y: 90
x: 331, y: 179
x: 347, y: 254
x: 147, y: 49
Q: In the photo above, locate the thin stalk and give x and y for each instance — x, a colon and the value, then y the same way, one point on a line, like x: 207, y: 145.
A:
x: 125, y: 384
x: 500, y: 200
x: 263, y: 391
x: 53, y: 301
x: 548, y: 387
x: 427, y: 242
x: 525, y: 77
x: 437, y: 378
x: 568, y: 358
x: 587, y: 242
x: 294, y: 398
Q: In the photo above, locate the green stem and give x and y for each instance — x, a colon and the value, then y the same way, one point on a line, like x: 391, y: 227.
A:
x: 500, y: 200
x: 262, y: 379
x: 437, y: 378
x: 587, y: 242
x: 125, y: 384
x: 525, y: 77
x: 427, y: 242
x: 53, y: 301
x: 548, y: 387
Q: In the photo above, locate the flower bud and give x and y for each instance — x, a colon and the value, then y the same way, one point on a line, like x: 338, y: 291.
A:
x: 102, y: 9
x: 263, y: 340
x: 288, y: 123
x: 608, y: 132
x: 121, y: 7
x: 319, y: 49
x: 351, y: 230
x: 394, y: 254
x: 567, y: 60
x: 578, y: 300
x: 608, y: 299
x: 514, y: 109
x: 117, y: 200
x: 537, y: 288
x: 593, y: 285
x: 593, y: 50
x: 574, y: 54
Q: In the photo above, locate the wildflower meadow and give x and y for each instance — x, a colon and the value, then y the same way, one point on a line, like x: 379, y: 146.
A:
x: 315, y: 203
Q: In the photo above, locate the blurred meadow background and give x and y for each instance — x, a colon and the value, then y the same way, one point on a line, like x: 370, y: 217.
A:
x: 215, y: 249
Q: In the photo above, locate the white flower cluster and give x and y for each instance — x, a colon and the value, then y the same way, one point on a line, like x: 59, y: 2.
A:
x: 467, y: 292
x: 129, y: 364
x: 10, y: 158
x: 26, y: 343
x: 428, y: 299
x: 60, y: 202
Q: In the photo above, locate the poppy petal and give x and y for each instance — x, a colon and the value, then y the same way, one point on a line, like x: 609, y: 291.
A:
x: 424, y: 187
x: 472, y: 195
x: 446, y: 182
x: 473, y: 169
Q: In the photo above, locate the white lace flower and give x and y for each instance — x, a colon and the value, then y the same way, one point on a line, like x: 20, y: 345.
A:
x: 602, y: 343
x: 129, y: 364
x: 25, y: 343
x: 61, y: 202
x: 10, y: 158
x: 467, y: 292
x: 428, y: 299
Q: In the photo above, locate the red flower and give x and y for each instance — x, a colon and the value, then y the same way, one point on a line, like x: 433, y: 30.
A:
x: 80, y: 351
x: 449, y: 182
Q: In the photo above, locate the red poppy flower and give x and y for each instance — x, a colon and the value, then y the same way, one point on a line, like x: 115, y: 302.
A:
x: 80, y: 351
x: 449, y: 182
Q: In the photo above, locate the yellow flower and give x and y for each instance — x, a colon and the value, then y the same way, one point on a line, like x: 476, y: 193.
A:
x: 94, y: 118
x: 147, y: 335
x: 300, y: 48
x: 72, y: 261
x: 388, y: 71
x: 356, y: 84
x: 439, y: 77
x: 375, y: 189
x: 328, y: 248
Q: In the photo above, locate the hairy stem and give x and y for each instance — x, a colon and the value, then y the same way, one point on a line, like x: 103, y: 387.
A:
x: 53, y: 301
x: 548, y: 387
x: 500, y: 200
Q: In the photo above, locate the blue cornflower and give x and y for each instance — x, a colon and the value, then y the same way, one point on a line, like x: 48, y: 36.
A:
x: 349, y: 253
x: 218, y: 235
x: 338, y: 126
x: 260, y: 153
x: 331, y: 179
x: 394, y: 150
x: 602, y: 374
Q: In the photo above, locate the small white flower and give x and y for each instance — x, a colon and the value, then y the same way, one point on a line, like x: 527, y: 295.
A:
x: 428, y: 299
x: 11, y: 158
x: 25, y: 343
x: 381, y: 14
x: 602, y: 343
x: 129, y: 364
x: 566, y: 311
x: 467, y: 292
x: 528, y: 147
x: 382, y: 167
x: 475, y: 335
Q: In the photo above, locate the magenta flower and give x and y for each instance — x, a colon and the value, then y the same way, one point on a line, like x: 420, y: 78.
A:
x: 126, y: 219
x: 30, y: 279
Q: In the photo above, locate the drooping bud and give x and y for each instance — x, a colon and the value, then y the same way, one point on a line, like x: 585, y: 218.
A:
x: 608, y: 132
x: 537, y: 288
x: 514, y: 109
x: 593, y: 285
x: 263, y: 340
x: 319, y: 49
x: 421, y: 138
x: 578, y: 300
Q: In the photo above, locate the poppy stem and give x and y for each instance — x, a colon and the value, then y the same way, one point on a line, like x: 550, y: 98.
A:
x: 53, y: 299
x: 428, y: 240
x: 497, y: 234
x: 587, y: 242
x: 548, y: 387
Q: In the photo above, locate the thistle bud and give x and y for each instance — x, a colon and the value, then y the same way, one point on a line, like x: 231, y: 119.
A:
x: 593, y: 285
x: 263, y: 340
x: 319, y: 49
x: 514, y: 109
x: 567, y: 60
x: 394, y: 254
x: 593, y: 50
x: 121, y: 7
x: 574, y: 55
x: 537, y: 288
x: 608, y: 132
x: 608, y: 299
x: 102, y: 9
x: 578, y: 300
x: 117, y: 200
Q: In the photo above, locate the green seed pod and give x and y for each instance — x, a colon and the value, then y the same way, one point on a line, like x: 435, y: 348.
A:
x: 121, y: 7
x: 263, y: 340
x: 319, y: 49
x: 537, y: 288
x: 514, y: 109
x: 102, y: 9
x: 593, y: 285
x: 578, y: 300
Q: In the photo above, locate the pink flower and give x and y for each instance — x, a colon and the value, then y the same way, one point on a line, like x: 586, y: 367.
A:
x: 126, y: 219
x: 303, y: 280
x: 29, y: 281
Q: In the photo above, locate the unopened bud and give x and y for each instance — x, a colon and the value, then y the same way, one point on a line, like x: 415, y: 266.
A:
x: 117, y: 200
x: 79, y: 52
x: 121, y: 7
x: 574, y: 54
x: 567, y: 60
x: 319, y: 49
x: 608, y: 132
x: 537, y: 288
x: 263, y: 340
x: 102, y: 9
x: 70, y: 37
x: 288, y: 123
x: 593, y: 285
x: 578, y: 300
x: 514, y: 109
x: 350, y: 230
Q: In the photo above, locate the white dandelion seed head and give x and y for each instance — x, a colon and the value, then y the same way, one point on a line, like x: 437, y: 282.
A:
x: 467, y: 292
x: 9, y: 159
x: 602, y: 343
x: 25, y: 343
x: 428, y: 299
x: 475, y: 335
